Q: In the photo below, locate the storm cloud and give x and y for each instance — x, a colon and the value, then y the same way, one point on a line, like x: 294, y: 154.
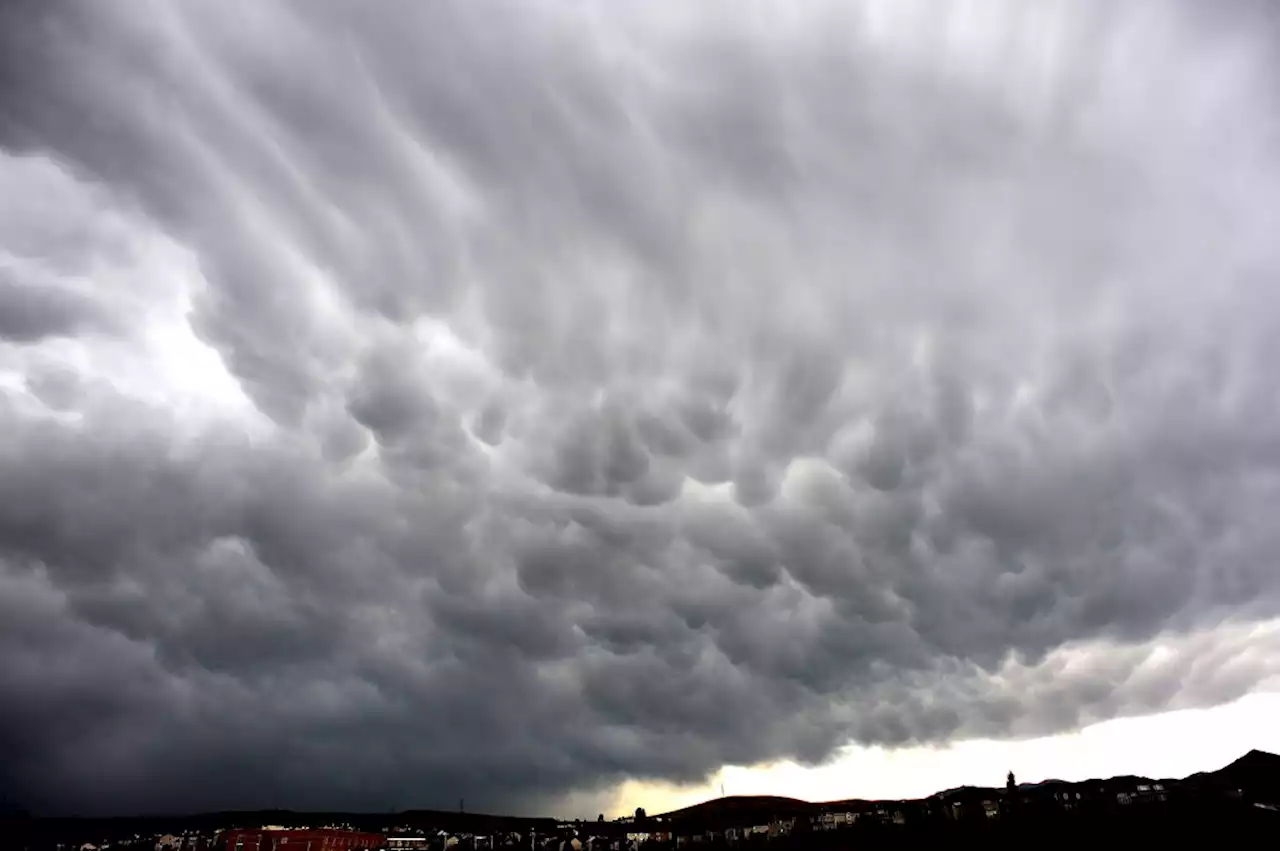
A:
x: 501, y: 401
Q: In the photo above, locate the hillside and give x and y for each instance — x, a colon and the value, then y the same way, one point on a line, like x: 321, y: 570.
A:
x: 739, y: 805
x: 1257, y: 770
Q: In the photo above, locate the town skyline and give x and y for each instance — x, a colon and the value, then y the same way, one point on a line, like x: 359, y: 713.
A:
x: 1232, y: 799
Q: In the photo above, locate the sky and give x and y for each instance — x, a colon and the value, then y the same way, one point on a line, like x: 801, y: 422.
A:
x: 571, y: 406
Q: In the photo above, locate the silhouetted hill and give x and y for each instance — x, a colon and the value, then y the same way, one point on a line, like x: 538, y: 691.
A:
x: 1256, y: 770
x: 1236, y: 799
x: 474, y: 822
x: 1255, y: 765
x: 740, y: 803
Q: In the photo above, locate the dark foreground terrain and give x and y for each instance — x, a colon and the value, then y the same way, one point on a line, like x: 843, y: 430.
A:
x: 1235, y: 806
x: 1223, y: 825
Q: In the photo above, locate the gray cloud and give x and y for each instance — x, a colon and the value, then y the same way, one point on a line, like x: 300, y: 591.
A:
x: 32, y: 312
x: 399, y: 408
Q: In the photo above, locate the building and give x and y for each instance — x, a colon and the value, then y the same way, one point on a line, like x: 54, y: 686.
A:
x: 303, y: 839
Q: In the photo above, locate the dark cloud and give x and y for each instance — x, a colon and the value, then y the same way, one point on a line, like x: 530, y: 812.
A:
x: 406, y: 407
x: 31, y: 312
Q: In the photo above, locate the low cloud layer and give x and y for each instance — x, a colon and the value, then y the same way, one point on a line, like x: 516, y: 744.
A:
x: 504, y: 401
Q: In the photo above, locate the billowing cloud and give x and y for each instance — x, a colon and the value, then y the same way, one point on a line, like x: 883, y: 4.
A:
x: 504, y: 402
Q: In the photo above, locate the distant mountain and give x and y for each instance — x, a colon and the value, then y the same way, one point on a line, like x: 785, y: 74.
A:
x: 1257, y: 770
x: 740, y: 804
x: 1255, y: 764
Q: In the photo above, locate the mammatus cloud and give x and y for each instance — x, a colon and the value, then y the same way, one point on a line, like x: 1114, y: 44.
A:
x: 501, y: 403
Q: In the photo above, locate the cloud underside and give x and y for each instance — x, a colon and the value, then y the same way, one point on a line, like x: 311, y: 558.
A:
x: 500, y: 405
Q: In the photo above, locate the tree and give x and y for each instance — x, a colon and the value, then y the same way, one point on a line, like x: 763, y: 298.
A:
x: 600, y: 817
x: 640, y: 816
